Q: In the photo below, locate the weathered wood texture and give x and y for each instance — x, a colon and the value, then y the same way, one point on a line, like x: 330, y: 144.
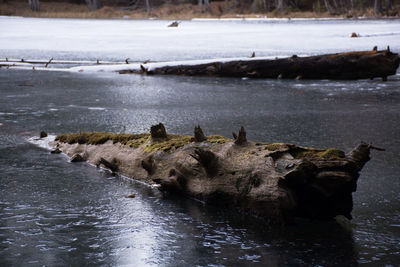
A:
x: 275, y: 181
x: 342, y: 66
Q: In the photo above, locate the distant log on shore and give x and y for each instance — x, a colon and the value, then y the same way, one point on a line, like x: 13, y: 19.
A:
x: 341, y: 66
x: 275, y: 181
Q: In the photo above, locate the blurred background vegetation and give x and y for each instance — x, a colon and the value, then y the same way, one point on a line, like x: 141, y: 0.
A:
x: 183, y: 9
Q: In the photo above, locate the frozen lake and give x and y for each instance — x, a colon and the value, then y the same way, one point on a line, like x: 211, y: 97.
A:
x: 152, y: 40
x: 54, y: 213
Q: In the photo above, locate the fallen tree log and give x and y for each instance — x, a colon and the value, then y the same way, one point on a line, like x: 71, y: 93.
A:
x: 275, y: 181
x: 341, y: 66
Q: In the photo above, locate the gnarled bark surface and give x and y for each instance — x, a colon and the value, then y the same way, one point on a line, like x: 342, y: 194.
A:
x: 275, y: 181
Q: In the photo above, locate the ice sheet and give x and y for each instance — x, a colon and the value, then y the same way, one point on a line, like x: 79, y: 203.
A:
x: 152, y: 40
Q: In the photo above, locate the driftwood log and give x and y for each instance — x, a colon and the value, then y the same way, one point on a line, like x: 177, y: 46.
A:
x: 275, y: 181
x: 341, y: 66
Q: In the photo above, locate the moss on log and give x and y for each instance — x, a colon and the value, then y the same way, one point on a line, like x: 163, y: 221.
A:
x: 276, y: 181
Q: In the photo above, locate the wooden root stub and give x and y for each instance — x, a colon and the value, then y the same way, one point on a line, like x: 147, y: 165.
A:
x: 47, y: 64
x: 43, y: 134
x: 360, y: 154
x: 110, y: 165
x: 56, y: 151
x: 158, y: 131
x: 198, y: 134
x: 82, y: 139
x: 174, y: 24
x: 240, y: 139
x: 148, y: 165
x: 143, y: 69
x: 354, y: 35
x: 207, y: 159
x: 77, y: 158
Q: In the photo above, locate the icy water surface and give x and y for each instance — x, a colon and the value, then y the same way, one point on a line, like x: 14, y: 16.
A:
x: 55, y: 213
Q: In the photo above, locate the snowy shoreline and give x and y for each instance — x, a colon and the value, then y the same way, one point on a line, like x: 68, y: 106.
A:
x: 119, y: 66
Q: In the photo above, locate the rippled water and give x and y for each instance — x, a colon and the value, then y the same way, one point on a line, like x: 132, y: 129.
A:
x: 56, y: 213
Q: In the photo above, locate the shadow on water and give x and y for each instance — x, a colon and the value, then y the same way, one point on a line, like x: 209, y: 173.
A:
x: 238, y: 236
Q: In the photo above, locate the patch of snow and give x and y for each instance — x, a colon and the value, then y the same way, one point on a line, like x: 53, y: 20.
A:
x: 96, y: 108
x: 42, y: 142
x: 153, y: 65
x: 105, y: 68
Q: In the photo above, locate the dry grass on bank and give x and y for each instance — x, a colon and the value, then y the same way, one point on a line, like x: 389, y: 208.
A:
x: 167, y: 11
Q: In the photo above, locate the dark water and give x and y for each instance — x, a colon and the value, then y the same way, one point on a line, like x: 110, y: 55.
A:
x: 54, y: 213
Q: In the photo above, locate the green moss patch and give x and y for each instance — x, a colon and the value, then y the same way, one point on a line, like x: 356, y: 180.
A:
x: 175, y: 141
x: 172, y: 141
x: 134, y: 140
x: 331, y: 154
x: 318, y: 154
x: 218, y: 139
x: 262, y: 143
x: 98, y: 138
x: 276, y: 146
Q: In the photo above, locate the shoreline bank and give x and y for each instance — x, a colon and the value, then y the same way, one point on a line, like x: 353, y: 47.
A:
x: 172, y: 12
